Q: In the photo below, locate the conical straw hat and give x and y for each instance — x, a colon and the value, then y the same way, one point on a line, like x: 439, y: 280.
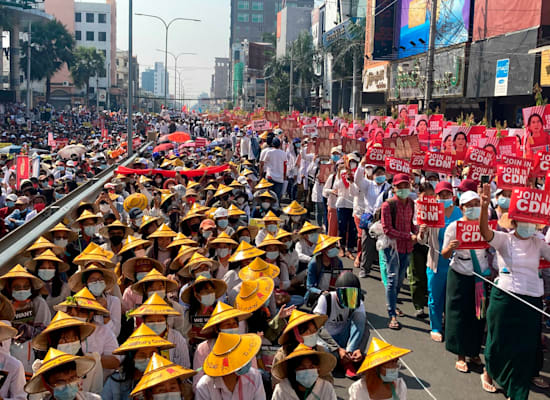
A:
x: 48, y: 255
x: 230, y: 353
x: 233, y: 211
x: 245, y: 251
x: 254, y: 294
x: 162, y: 231
x: 263, y: 184
x: 223, y: 312
x: 132, y: 242
x: 258, y: 268
x: 19, y: 272
x: 220, y: 287
x: 325, y: 241
x: 181, y: 240
x: 271, y: 217
x: 222, y: 189
x: 76, y: 282
x: 117, y: 224
x: 327, y: 361
x: 154, y: 276
x: 269, y: 240
x: 82, y: 299
x: 155, y: 305
x: 298, y: 318
x: 62, y: 228
x: 379, y: 353
x: 294, y: 209
x: 224, y: 238
x: 308, y: 227
x: 60, y: 321
x: 144, y: 337
x: 41, y: 243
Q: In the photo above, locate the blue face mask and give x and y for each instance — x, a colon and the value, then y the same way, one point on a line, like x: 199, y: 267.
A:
x: 10, y: 204
x: 66, y: 392
x: 244, y: 370
x: 403, y: 193
x: 472, y: 213
x: 21, y: 295
x: 222, y: 223
x: 392, y: 374
x: 380, y: 178
x: 58, y: 195
x: 526, y: 229
x: 335, y: 157
x: 333, y: 252
x: 433, y: 183
x: 307, y: 377
x: 446, y: 202
x: 141, y: 365
x: 503, y: 202
x: 140, y: 275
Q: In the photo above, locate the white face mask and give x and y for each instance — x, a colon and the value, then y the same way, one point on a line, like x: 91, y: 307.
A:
x: 244, y: 239
x: 161, y: 293
x: 167, y: 396
x: 61, y: 242
x: 272, y: 255
x: 90, y: 230
x: 69, y: 348
x: 234, y: 331
x: 46, y: 274
x: 222, y: 253
x: 310, y: 340
x: 104, y: 208
x: 97, y: 287
x: 208, y: 299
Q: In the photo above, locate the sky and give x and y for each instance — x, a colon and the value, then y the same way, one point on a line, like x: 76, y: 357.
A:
x: 208, y: 38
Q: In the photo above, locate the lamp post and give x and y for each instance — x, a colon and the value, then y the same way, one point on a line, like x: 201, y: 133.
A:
x: 129, y: 126
x: 166, y: 26
x: 176, y: 65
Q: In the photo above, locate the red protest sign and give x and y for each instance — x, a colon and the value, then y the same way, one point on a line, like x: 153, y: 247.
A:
x: 475, y: 172
x: 273, y: 116
x: 439, y: 162
x: 516, y: 162
x: 288, y: 124
x: 417, y: 161
x: 397, y: 166
x: 260, y: 125
x: 324, y: 172
x: 430, y: 213
x: 542, y: 163
x: 351, y: 145
x: 324, y: 146
x: 23, y: 169
x: 530, y: 205
x: 509, y: 176
x: 309, y: 130
x: 377, y: 155
x: 469, y: 236
x: 478, y: 156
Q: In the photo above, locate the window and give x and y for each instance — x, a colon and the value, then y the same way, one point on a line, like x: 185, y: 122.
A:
x: 242, y: 17
x: 89, y: 36
x: 77, y: 35
x: 257, y: 5
x: 89, y: 17
x: 258, y: 18
x: 102, y: 36
x: 101, y: 18
x: 242, y: 4
x: 78, y: 17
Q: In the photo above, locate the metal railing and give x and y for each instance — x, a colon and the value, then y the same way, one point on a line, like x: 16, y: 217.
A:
x: 14, y: 243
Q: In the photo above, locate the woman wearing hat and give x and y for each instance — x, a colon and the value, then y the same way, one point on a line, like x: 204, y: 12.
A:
x: 243, y: 255
x: 84, y: 307
x: 221, y: 218
x: 48, y: 267
x: 63, y: 237
x: 225, y: 319
x: 149, y: 225
x: 290, y: 257
x: 32, y: 313
x: 380, y: 371
x: 200, y: 295
x: 134, y: 270
x: 296, y: 217
x: 324, y: 267
x: 224, y: 247
x: 155, y: 313
x: 239, y: 214
x: 245, y: 234
x: 87, y: 224
x: 61, y: 375
x: 39, y: 246
x: 190, y: 224
x: 137, y: 351
x: 438, y: 265
x: 100, y: 282
x: 300, y: 372
x: 228, y: 370
x: 160, y: 251
x: 309, y: 235
x: 271, y: 225
x: 267, y: 203
x: 164, y: 379
x: 114, y: 234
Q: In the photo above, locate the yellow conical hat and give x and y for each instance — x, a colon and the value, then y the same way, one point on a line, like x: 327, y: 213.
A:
x: 230, y: 353
x: 48, y: 255
x: 223, y: 312
x: 271, y: 217
x: 281, y: 233
x: 223, y: 238
x: 245, y: 251
x: 19, y: 272
x: 155, y: 305
x: 135, y: 200
x: 82, y: 299
x: 143, y: 337
x: 327, y: 361
x: 181, y: 240
x: 254, y: 294
x: 220, y: 287
x: 298, y: 318
x: 132, y: 242
x: 162, y: 231
x: 61, y: 320
x: 325, y: 241
x: 258, y: 268
x: 308, y: 227
x: 222, y: 189
x: 263, y: 184
x: 379, y: 353
x: 62, y: 228
x: 154, y: 276
x: 294, y: 209
x: 41, y: 243
x: 233, y: 211
x: 269, y: 240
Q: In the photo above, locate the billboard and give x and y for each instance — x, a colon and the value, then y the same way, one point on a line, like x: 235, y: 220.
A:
x: 545, y: 68
x: 453, y: 22
x: 384, y: 29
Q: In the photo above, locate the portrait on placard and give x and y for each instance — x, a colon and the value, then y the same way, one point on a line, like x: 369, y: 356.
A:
x: 537, y: 126
x: 350, y: 145
x: 324, y: 172
x: 455, y: 141
x: 404, y: 146
x: 324, y: 147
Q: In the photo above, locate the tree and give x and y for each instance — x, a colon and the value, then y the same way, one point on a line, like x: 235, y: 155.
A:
x: 277, y: 74
x: 304, y: 58
x: 88, y: 62
x: 51, y: 47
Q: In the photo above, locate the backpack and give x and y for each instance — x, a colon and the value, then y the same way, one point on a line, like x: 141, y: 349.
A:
x: 377, y: 216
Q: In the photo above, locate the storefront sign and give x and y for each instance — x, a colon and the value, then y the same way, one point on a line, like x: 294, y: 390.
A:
x: 375, y: 79
x: 501, y: 77
x: 545, y: 68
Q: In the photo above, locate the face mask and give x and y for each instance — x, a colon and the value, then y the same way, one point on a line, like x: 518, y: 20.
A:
x: 208, y: 299
x: 526, y: 229
x: 10, y: 204
x: 433, y: 183
x: 310, y: 340
x: 332, y: 252
x: 39, y: 206
x: 104, y: 208
x: 298, y: 145
x: 472, y: 213
x: 271, y: 228
x: 69, y: 348
x: 140, y: 275
x: 167, y: 396
x: 161, y: 293
x: 139, y: 221
x: 141, y: 365
x: 97, y: 287
x: 61, y: 242
x: 313, y: 237
x: 296, y: 218
x: 353, y: 165
x: 504, y: 202
x: 21, y: 295
x: 90, y: 230
x: 272, y: 255
x: 66, y: 392
x: 392, y: 374
x: 206, y: 234
x: 307, y: 377
x: 335, y: 157
x: 81, y: 319
x: 380, y: 178
x: 222, y: 253
x: 403, y: 193
x: 446, y: 202
x: 222, y: 223
x: 265, y: 205
x: 234, y: 331
x: 244, y: 239
x: 46, y: 274
x: 205, y: 274
x: 240, y: 201
x: 157, y: 327
x: 244, y: 370
x: 58, y: 195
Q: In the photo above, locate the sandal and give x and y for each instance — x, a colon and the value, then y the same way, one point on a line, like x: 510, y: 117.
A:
x: 436, y: 336
x: 488, y: 387
x: 461, y: 366
x: 394, y: 324
x: 540, y: 382
x: 399, y: 312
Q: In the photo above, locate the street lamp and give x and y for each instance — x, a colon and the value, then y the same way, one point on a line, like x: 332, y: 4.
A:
x: 166, y: 26
x: 176, y: 66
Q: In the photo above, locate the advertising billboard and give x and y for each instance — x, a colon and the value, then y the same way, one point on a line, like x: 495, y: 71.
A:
x: 453, y: 22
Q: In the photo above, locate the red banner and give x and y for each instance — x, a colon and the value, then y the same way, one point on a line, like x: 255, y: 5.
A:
x: 417, y: 161
x: 397, y: 166
x: 351, y: 145
x: 516, y: 161
x: 171, y: 174
x: 478, y: 156
x: 377, y: 155
x: 469, y: 236
x: 23, y: 169
x: 475, y: 172
x: 530, y: 205
x: 439, y: 162
x: 509, y: 176
x: 430, y: 213
x: 542, y: 163
x: 273, y: 116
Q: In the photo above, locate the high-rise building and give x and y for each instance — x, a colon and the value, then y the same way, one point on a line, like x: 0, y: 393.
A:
x: 148, y: 80
x: 220, y: 80
x: 152, y: 80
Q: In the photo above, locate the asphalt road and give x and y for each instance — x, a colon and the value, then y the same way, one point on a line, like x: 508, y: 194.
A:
x: 429, y: 370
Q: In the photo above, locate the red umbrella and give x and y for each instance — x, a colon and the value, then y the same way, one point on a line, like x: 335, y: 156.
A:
x: 179, y: 137
x: 163, y: 147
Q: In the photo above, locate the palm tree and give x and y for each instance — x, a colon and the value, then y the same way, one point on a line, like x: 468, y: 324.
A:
x: 304, y: 57
x: 88, y: 62
x: 51, y: 47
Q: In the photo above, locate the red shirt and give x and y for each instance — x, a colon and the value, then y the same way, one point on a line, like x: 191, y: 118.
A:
x: 403, y: 224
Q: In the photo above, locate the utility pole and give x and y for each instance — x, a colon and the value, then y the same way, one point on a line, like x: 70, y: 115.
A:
x: 431, y: 54
x: 354, y: 88
x: 130, y: 127
x: 291, y: 79
x: 28, y: 72
x: 97, y: 93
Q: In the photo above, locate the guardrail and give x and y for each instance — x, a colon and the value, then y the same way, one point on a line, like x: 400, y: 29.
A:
x: 19, y: 239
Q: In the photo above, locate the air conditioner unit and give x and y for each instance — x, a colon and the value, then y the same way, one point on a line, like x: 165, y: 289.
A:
x: 66, y: 83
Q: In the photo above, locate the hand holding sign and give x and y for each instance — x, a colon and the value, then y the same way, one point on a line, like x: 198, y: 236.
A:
x: 530, y: 205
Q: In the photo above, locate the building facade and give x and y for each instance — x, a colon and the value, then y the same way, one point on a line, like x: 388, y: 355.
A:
x: 291, y: 21
x: 220, y: 80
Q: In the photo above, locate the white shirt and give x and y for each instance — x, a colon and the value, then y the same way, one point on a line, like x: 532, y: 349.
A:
x: 321, y: 390
x: 245, y: 146
x: 180, y: 354
x: 249, y: 386
x: 369, y: 189
x: 518, y: 262
x: 338, y: 315
x: 102, y: 341
x: 274, y: 164
x: 15, y: 381
x: 358, y: 390
x: 345, y: 198
x: 305, y: 250
x: 327, y: 191
x: 461, y: 261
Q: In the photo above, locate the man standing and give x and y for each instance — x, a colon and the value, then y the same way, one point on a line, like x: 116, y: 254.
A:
x: 273, y: 162
x: 397, y: 223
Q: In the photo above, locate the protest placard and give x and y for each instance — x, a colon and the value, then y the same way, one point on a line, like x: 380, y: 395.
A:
x: 475, y: 172
x: 397, y: 166
x: 530, y: 205
x: 405, y: 146
x: 439, y: 162
x: 273, y: 116
x: 469, y: 235
x: 478, y: 156
x: 324, y: 146
x: 542, y: 163
x: 260, y: 125
x: 430, y: 213
x: 351, y: 145
x: 417, y: 160
x: 377, y: 155
x: 509, y: 176
x: 324, y: 172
